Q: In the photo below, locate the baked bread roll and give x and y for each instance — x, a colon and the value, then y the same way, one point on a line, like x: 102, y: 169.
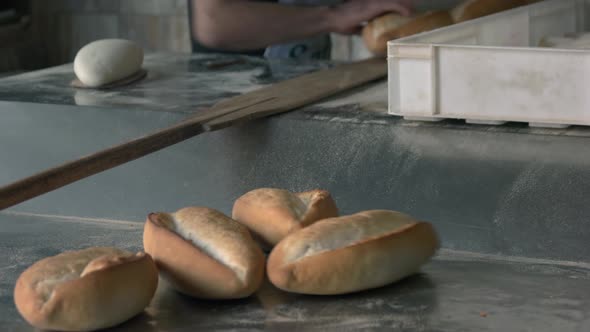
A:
x: 203, y: 253
x: 379, y: 31
x: 89, y: 289
x: 352, y: 253
x: 272, y: 214
x: 472, y: 9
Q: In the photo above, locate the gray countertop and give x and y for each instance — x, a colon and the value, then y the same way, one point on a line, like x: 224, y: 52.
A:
x: 458, y: 291
x: 175, y: 83
x: 507, y: 201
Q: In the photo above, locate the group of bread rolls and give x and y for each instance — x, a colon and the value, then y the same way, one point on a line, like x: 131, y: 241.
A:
x: 392, y: 26
x: 205, y: 254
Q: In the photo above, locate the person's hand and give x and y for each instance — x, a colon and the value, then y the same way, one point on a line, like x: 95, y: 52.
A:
x: 348, y: 17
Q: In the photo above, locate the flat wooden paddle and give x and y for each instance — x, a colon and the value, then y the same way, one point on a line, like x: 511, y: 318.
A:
x: 277, y: 98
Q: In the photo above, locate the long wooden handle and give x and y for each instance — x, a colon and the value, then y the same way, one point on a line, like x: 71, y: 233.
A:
x: 281, y: 97
x: 57, y: 177
x: 67, y: 173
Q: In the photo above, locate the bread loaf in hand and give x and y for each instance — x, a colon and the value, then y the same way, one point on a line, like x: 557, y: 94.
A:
x: 392, y: 26
x: 351, y: 253
x: 86, y: 290
x: 472, y: 9
x: 378, y: 32
x: 204, y: 253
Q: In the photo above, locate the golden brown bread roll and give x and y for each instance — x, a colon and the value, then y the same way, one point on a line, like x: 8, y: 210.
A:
x: 203, y: 253
x: 379, y: 31
x: 352, y: 253
x: 472, y: 9
x: 271, y: 214
x: 89, y: 289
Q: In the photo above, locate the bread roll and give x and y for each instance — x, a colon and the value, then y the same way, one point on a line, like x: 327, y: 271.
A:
x: 352, y: 253
x: 86, y: 290
x: 378, y: 32
x: 203, y: 253
x: 271, y: 214
x: 472, y: 9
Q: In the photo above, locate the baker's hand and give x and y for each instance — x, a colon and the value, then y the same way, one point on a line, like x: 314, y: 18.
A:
x: 348, y: 17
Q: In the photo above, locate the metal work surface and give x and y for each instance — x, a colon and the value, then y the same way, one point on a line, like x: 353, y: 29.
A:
x: 508, y: 203
x: 489, y: 190
x: 175, y: 82
x: 456, y: 292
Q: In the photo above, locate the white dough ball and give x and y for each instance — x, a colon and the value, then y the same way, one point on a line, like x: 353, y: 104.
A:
x: 108, y: 60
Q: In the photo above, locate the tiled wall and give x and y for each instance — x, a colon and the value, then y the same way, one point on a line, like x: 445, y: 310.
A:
x: 63, y: 26
x: 18, y: 51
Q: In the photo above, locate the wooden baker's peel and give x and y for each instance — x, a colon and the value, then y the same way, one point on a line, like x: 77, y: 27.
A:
x: 277, y: 98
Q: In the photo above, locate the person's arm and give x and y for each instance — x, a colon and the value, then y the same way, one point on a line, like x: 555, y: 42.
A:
x: 245, y: 25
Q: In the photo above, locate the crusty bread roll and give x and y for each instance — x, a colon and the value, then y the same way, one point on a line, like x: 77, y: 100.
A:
x: 352, y: 253
x: 203, y: 253
x: 86, y: 290
x: 271, y: 214
x: 379, y: 31
x: 472, y: 9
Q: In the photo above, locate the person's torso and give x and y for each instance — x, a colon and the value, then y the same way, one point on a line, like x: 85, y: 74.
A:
x: 317, y: 47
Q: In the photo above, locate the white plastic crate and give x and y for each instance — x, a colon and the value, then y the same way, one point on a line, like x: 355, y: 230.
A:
x: 490, y: 70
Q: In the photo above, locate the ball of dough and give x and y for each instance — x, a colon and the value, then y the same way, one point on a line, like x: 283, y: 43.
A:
x: 108, y: 60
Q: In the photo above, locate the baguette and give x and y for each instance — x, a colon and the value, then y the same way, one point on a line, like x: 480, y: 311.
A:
x: 272, y: 214
x: 90, y: 289
x: 203, y: 253
x: 352, y: 253
x: 472, y: 9
x: 379, y: 31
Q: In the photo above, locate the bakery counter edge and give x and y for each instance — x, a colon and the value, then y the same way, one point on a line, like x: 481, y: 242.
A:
x: 500, y: 190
